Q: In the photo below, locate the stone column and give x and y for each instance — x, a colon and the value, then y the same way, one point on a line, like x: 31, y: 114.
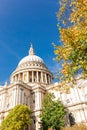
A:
x: 46, y: 78
x: 14, y: 96
x: 28, y: 100
x: 20, y: 96
x: 13, y: 79
x: 40, y: 100
x: 23, y: 77
x: 17, y: 95
x: 42, y: 77
x: 49, y: 79
x: 27, y: 76
x: 37, y: 76
x: 24, y: 98
x: 16, y: 78
x: 32, y: 76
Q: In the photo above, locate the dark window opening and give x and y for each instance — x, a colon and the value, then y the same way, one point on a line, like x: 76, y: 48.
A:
x: 33, y: 101
x: 30, y: 80
x: 34, y: 121
x: 71, y: 119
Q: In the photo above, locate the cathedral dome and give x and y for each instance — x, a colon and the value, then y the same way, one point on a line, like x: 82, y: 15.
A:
x: 32, y: 69
x: 31, y: 58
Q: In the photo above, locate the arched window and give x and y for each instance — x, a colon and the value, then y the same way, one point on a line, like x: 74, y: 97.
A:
x: 71, y: 119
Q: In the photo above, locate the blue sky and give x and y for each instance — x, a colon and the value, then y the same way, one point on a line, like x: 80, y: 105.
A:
x: 22, y: 22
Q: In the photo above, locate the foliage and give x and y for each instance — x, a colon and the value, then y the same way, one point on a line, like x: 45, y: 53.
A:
x: 17, y: 119
x: 52, y: 113
x: 73, y: 11
x: 76, y: 127
x: 73, y: 34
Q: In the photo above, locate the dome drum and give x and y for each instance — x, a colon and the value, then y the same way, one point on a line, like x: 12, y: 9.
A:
x: 33, y: 76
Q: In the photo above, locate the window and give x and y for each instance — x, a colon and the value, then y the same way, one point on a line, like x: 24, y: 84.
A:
x: 33, y: 101
x: 30, y: 80
x: 34, y: 121
x: 68, y: 101
x: 71, y: 119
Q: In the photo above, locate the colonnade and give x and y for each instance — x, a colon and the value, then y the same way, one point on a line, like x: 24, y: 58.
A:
x: 32, y: 76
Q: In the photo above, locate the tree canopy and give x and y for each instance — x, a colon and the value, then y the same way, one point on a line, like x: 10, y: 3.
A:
x: 72, y: 20
x: 52, y: 113
x: 17, y: 119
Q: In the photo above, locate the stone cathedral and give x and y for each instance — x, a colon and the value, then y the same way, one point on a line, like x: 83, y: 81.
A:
x: 29, y: 83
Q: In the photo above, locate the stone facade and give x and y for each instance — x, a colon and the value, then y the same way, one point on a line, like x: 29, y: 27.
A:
x: 28, y: 85
x: 75, y: 101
